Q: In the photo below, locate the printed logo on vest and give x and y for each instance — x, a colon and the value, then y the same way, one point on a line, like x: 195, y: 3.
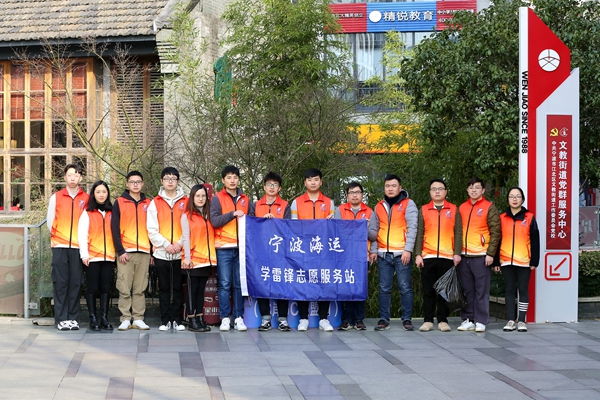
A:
x: 448, y: 214
x: 322, y: 207
x: 181, y: 205
x: 81, y: 204
x: 479, y: 212
x: 145, y: 208
x: 524, y: 222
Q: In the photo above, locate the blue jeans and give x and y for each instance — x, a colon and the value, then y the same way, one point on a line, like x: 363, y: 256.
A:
x: 387, y: 266
x: 228, y: 274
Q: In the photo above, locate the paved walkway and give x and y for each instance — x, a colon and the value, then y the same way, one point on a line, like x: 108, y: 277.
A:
x: 551, y: 361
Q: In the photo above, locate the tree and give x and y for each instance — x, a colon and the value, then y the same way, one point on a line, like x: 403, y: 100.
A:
x: 287, y: 109
x: 464, y: 83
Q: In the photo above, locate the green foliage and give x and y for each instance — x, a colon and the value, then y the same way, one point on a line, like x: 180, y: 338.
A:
x: 589, y: 273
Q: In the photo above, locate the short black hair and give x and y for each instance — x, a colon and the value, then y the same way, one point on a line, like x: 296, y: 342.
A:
x: 272, y: 176
x: 352, y: 185
x: 92, y: 204
x: 312, y: 173
x: 169, y: 171
x: 517, y: 188
x: 134, y: 173
x: 391, y: 177
x: 230, y: 169
x: 76, y: 167
x: 475, y: 180
x: 440, y: 180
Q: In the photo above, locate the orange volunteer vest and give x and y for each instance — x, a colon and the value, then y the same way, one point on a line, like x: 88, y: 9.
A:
x: 476, y: 234
x: 100, y: 241
x: 392, y: 226
x: 66, y: 218
x: 227, y: 235
x: 134, y: 234
x: 438, y: 237
x: 515, y: 248
x: 202, y: 241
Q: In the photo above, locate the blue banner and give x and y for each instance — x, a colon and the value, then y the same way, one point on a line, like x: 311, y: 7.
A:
x: 304, y: 259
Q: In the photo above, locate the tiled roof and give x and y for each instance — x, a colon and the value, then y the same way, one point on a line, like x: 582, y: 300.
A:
x: 25, y: 20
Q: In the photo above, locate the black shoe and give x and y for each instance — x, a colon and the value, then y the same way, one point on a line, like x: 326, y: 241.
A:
x: 407, y: 325
x: 382, y: 324
x: 344, y: 326
x: 265, y: 325
x: 193, y: 324
x: 104, y: 324
x: 91, y: 305
x: 360, y: 326
x: 94, y: 324
x: 202, y: 326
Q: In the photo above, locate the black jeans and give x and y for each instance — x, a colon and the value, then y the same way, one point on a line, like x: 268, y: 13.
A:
x: 516, y: 277
x: 170, y: 279
x: 99, y: 274
x: 323, y: 309
x: 433, y: 269
x: 67, y: 275
x: 265, y: 309
x: 195, y: 298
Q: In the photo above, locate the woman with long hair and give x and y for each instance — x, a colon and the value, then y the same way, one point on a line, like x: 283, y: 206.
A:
x: 199, y: 254
x: 97, y: 252
x: 518, y: 254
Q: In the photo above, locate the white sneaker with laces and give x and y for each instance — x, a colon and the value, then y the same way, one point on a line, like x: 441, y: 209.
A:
x: 74, y: 325
x: 479, y: 327
x: 521, y: 326
x: 165, y: 327
x: 303, y: 325
x: 140, y: 324
x: 239, y: 325
x: 466, y: 325
x: 178, y: 327
x: 324, y: 325
x: 510, y: 326
x: 225, y: 324
x: 125, y: 325
x: 63, y: 326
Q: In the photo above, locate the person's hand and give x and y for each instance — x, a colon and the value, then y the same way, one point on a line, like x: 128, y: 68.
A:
x: 173, y: 248
x: 405, y: 258
x: 269, y: 215
x: 152, y: 260
x: 187, y: 264
x: 372, y: 258
x: 497, y: 269
x: 531, y: 267
x: 86, y: 261
x: 238, y: 213
x: 123, y: 259
x: 456, y: 259
x: 489, y: 260
x: 419, y: 262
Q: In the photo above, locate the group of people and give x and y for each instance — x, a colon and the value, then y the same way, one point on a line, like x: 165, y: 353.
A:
x: 184, y: 236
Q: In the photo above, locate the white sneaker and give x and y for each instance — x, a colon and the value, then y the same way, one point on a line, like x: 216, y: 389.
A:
x: 521, y: 326
x: 324, y: 325
x: 225, y: 324
x: 178, y: 327
x: 239, y: 325
x: 466, y: 326
x: 139, y: 324
x: 74, y: 325
x: 479, y: 327
x: 165, y: 327
x: 125, y: 325
x: 303, y: 325
x: 510, y: 326
x: 63, y: 326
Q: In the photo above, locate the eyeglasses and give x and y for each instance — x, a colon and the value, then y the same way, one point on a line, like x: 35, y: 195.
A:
x: 437, y: 189
x: 135, y: 182
x: 272, y: 184
x: 170, y: 180
x: 354, y: 193
x: 475, y: 188
x: 515, y: 197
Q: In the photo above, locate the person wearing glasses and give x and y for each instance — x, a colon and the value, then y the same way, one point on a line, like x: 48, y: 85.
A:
x: 394, y: 226
x: 130, y: 237
x: 437, y: 249
x: 272, y: 206
x: 226, y: 207
x: 481, y: 236
x: 164, y: 231
x: 518, y: 255
x: 353, y: 312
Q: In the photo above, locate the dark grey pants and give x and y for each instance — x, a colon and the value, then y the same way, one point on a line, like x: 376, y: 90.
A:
x: 475, y: 279
x: 67, y: 276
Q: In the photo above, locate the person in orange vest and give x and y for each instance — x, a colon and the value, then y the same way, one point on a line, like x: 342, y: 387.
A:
x: 272, y: 206
x: 226, y: 207
x: 481, y: 236
x: 97, y: 252
x: 198, y: 236
x: 313, y: 205
x: 164, y: 230
x: 353, y: 312
x: 437, y: 249
x: 64, y: 210
x: 132, y: 244
x: 393, y: 226
x: 518, y: 255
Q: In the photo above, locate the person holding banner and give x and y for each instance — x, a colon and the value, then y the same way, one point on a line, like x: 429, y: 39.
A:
x: 481, y: 236
x: 353, y: 312
x: 437, y: 249
x: 518, y: 255
x: 394, y: 226
x: 226, y: 207
x: 313, y: 205
x: 164, y: 231
x: 198, y: 237
x: 272, y: 206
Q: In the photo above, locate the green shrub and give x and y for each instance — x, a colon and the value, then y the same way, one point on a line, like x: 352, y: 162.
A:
x: 589, y: 274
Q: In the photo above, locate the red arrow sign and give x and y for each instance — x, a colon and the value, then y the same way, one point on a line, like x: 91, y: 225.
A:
x: 554, y: 269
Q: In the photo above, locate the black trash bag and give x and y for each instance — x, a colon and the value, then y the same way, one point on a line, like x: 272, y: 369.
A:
x: 448, y: 286
x: 152, y: 289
